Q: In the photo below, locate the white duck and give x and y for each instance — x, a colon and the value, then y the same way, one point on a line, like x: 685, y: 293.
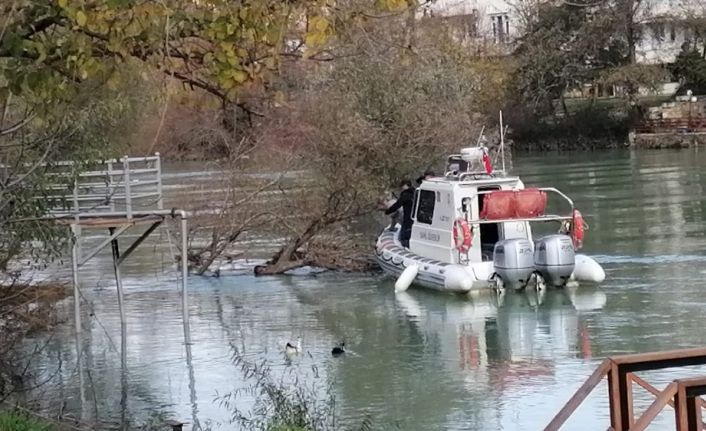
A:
x: 293, y: 349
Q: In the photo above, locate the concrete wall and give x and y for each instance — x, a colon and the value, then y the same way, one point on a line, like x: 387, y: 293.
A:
x: 667, y: 140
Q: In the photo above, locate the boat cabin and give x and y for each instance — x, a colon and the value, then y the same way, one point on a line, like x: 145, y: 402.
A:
x: 492, y: 205
x: 439, y: 202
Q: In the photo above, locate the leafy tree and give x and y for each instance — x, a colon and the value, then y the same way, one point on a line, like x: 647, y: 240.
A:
x: 556, y: 54
x: 690, y: 68
x: 218, y: 46
x: 93, y: 124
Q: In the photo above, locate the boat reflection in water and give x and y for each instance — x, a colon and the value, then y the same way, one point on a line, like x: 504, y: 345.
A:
x: 507, y: 339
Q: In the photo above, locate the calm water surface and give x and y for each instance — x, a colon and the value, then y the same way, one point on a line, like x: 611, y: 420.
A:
x: 417, y: 360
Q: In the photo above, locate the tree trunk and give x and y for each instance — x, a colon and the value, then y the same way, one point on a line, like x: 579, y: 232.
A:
x: 287, y: 258
x: 216, y: 249
x: 410, y: 26
x: 631, y: 43
x: 279, y: 267
x: 630, y: 12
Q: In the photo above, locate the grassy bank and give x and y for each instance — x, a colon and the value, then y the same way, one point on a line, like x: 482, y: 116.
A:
x: 15, y: 421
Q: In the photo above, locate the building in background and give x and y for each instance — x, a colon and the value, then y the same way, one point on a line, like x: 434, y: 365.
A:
x: 664, y: 26
x: 668, y: 25
x: 483, y: 23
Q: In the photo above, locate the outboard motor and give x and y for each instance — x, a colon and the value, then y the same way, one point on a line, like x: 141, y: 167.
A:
x: 513, y: 262
x: 554, y: 258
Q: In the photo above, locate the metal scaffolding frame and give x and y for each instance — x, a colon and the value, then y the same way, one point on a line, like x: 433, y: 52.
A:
x: 116, y: 195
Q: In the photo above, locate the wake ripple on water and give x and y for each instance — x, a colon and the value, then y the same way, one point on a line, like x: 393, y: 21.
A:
x: 659, y: 259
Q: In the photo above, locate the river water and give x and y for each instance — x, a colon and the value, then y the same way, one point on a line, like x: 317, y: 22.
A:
x: 417, y: 360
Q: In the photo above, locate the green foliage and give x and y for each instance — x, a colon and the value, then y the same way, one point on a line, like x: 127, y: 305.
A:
x: 690, y: 68
x: 556, y: 55
x: 589, y: 127
x: 13, y: 421
x: 634, y: 76
x: 95, y: 123
x: 218, y: 46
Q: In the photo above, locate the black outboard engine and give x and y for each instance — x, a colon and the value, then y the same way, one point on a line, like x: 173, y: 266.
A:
x: 554, y: 258
x: 513, y: 262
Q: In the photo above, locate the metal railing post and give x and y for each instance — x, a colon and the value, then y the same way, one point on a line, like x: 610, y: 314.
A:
x: 158, y: 166
x: 184, y: 268
x: 126, y: 179
x: 111, y: 187
x: 75, y: 204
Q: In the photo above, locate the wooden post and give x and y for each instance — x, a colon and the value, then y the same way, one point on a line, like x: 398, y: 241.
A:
x: 693, y: 411
x: 680, y: 410
x: 626, y: 390
x: 614, y: 398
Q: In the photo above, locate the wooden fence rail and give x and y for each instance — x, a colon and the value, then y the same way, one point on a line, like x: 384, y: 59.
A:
x: 683, y: 395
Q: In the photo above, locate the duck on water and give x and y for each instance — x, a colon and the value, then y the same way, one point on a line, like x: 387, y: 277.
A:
x: 472, y: 229
x: 339, y: 350
x: 293, y: 349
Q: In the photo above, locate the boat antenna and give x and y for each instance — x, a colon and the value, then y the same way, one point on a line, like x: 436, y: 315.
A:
x: 502, y: 141
x: 480, y: 136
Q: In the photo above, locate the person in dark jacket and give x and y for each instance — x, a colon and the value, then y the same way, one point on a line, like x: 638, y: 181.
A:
x: 405, y: 201
x: 425, y: 176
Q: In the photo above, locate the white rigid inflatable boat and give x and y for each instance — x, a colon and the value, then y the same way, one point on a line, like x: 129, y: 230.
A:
x: 472, y: 230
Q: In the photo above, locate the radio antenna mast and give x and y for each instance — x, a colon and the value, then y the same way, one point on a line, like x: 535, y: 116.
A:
x: 480, y: 136
x: 502, y: 142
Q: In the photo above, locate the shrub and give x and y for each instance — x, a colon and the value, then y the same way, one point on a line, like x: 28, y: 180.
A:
x: 15, y: 421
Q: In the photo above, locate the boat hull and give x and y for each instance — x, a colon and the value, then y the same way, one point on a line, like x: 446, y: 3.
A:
x: 457, y: 278
x: 432, y: 274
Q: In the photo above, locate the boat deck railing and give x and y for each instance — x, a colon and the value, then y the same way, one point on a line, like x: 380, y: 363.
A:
x: 539, y: 218
x: 620, y: 372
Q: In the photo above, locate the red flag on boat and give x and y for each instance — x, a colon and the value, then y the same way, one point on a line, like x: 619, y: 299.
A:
x: 486, y: 163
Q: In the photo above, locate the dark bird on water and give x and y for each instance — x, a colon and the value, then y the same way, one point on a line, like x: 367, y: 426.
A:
x: 338, y: 350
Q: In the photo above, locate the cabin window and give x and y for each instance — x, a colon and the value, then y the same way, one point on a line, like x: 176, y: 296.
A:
x: 425, y: 209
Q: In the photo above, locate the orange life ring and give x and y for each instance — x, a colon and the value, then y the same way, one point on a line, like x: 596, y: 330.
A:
x: 577, y: 229
x: 463, y: 235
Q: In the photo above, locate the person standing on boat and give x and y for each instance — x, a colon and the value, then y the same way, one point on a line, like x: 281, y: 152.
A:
x: 405, y: 202
x: 425, y: 176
